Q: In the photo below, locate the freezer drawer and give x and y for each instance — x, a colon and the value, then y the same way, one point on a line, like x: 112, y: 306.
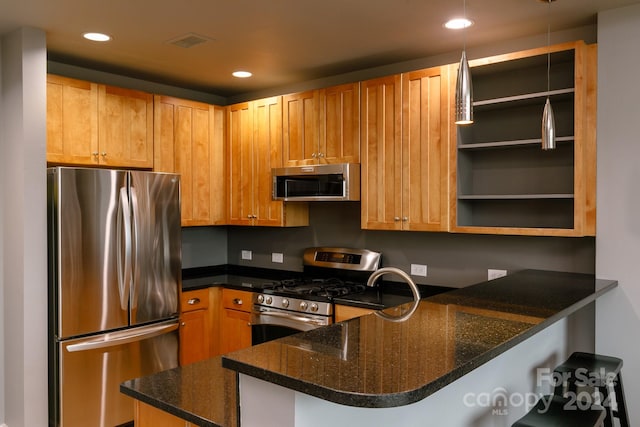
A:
x: 91, y: 371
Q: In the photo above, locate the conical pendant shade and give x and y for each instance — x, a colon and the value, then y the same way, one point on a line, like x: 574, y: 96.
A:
x: 464, y: 93
x: 548, y: 127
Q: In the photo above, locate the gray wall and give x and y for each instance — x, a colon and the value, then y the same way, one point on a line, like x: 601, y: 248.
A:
x: 618, y: 241
x: 452, y: 259
x: 23, y: 229
x: 204, y: 246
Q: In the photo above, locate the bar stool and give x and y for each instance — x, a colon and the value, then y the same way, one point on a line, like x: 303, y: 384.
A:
x: 555, y: 411
x: 598, y: 373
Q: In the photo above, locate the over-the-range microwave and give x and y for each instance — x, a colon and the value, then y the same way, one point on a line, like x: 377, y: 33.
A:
x: 326, y: 182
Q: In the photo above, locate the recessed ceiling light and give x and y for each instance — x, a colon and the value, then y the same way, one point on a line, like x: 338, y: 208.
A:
x: 97, y: 37
x: 242, y: 74
x: 458, y: 23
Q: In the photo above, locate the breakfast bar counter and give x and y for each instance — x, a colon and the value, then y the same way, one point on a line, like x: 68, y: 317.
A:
x: 370, y: 362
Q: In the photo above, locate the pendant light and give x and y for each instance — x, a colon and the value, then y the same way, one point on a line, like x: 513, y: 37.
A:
x: 464, y: 89
x: 548, y: 120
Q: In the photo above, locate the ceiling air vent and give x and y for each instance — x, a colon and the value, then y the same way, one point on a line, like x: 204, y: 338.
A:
x: 189, y: 40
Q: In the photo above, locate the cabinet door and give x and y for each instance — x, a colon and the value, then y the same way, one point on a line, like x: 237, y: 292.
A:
x: 340, y: 124
x: 72, y: 121
x: 425, y: 137
x: 240, y: 164
x: 236, y: 330
x: 194, y: 336
x: 300, y: 128
x: 267, y: 154
x: 189, y: 140
x: 148, y: 416
x: 125, y: 127
x: 381, y: 172
x: 195, y: 326
x: 346, y: 312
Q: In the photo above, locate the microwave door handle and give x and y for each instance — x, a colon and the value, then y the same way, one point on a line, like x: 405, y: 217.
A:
x: 113, y: 339
x: 124, y: 227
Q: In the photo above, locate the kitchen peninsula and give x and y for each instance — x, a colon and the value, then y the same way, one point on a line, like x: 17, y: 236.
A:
x: 493, y: 337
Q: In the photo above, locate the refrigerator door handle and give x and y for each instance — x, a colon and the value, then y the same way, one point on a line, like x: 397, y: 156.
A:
x: 113, y: 339
x: 124, y: 277
x: 135, y: 209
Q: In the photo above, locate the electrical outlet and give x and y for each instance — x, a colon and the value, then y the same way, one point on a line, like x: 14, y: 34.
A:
x: 246, y: 255
x: 277, y: 257
x: 419, y: 270
x: 494, y: 274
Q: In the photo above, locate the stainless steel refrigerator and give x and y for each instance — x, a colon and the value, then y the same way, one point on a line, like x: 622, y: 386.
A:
x: 114, y: 275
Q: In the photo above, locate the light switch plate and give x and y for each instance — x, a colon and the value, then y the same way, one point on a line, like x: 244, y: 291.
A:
x: 419, y: 270
x: 246, y: 255
x: 277, y: 257
x: 494, y: 274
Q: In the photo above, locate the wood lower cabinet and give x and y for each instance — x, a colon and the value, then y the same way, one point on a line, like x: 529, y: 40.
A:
x: 235, y: 320
x: 346, y: 312
x: 149, y: 416
x: 255, y: 147
x: 404, y: 184
x: 322, y: 126
x: 98, y: 125
x: 199, y: 328
x: 189, y: 140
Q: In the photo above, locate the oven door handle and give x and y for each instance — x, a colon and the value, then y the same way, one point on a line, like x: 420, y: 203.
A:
x: 290, y: 317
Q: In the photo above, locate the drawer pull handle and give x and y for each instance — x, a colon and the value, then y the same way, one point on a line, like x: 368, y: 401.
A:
x: 237, y: 301
x: 193, y: 301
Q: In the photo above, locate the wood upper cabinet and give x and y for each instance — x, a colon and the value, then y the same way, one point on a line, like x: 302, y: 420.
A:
x: 404, y: 154
x: 255, y: 147
x: 381, y: 162
x: 72, y: 121
x: 92, y: 124
x: 189, y: 140
x: 125, y: 127
x: 502, y: 182
x: 322, y: 126
x: 425, y: 149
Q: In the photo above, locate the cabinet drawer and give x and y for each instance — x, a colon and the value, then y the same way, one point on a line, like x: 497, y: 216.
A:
x: 194, y: 300
x: 236, y: 300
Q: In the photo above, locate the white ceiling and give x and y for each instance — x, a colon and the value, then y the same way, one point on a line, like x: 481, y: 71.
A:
x: 283, y: 42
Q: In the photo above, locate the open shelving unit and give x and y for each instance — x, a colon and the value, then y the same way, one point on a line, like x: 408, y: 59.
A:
x: 502, y: 181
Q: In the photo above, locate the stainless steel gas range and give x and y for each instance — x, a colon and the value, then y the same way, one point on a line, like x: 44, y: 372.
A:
x: 289, y: 306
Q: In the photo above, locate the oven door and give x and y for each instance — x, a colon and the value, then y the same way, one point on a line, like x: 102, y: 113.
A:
x: 268, y: 323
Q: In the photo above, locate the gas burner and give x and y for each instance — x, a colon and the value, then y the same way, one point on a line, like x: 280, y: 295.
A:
x: 319, y: 287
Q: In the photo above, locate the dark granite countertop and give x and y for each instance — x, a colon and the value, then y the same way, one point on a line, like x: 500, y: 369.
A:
x: 203, y: 393
x: 365, y: 362
x: 371, y: 362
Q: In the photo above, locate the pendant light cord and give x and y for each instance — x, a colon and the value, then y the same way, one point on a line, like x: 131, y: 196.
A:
x: 548, y: 47
x: 464, y: 30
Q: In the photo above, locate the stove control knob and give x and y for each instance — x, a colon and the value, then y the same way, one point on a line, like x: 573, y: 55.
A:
x: 260, y: 299
x: 285, y: 302
x: 268, y: 300
x: 303, y: 305
x: 314, y: 307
